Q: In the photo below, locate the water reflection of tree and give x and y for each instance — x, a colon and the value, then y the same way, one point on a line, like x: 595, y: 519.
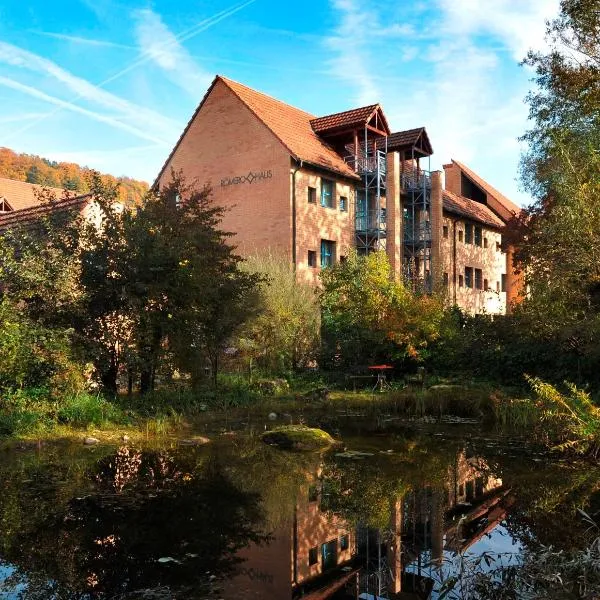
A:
x: 145, y: 507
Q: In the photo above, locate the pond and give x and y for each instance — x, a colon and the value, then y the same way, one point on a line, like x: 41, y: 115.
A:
x: 395, y: 514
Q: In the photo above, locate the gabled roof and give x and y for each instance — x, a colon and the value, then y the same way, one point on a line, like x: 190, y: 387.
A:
x: 350, y: 119
x: 498, y: 202
x: 405, y: 140
x: 476, y: 211
x: 26, y: 216
x: 20, y: 194
x: 289, y: 124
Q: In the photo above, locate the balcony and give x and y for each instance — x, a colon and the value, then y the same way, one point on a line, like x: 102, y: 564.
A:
x: 372, y: 163
x: 415, y: 180
x: 371, y: 221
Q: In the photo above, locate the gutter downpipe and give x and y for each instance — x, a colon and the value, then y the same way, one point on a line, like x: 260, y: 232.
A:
x: 454, y: 282
x: 294, y: 257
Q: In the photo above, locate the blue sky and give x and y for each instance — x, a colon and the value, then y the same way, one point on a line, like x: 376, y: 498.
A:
x: 111, y: 84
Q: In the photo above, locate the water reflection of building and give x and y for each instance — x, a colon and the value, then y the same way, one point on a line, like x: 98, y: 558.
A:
x: 311, y: 555
x: 318, y: 555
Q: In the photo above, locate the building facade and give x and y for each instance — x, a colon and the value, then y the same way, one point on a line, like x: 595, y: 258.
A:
x: 313, y: 188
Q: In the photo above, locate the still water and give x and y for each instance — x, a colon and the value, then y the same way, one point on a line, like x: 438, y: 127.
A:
x: 394, y: 518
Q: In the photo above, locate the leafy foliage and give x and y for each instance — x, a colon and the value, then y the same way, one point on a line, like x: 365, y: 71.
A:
x: 285, y: 334
x: 572, y: 417
x: 369, y: 317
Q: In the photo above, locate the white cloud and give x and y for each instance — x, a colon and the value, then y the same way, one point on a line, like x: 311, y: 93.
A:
x: 518, y: 24
x: 351, y: 61
x: 164, y: 49
x: 462, y: 63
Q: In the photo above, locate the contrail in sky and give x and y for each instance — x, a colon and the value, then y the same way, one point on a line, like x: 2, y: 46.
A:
x: 146, y: 56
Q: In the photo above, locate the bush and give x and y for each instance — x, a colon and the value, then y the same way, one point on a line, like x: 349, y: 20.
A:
x: 33, y: 356
x: 571, y: 417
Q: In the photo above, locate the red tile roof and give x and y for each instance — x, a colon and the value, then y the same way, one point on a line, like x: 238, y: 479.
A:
x: 407, y: 139
x: 27, y: 216
x: 293, y: 128
x: 470, y: 209
x: 20, y: 194
x: 349, y: 119
x: 289, y: 124
x: 498, y: 202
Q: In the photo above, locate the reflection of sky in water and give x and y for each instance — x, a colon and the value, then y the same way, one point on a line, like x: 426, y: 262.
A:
x: 497, y: 542
x: 16, y: 591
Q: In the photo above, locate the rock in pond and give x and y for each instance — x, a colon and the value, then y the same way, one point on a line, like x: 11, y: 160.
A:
x: 196, y: 441
x: 90, y: 441
x: 298, y: 437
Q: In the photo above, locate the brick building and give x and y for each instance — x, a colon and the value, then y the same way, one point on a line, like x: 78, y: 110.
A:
x: 312, y: 187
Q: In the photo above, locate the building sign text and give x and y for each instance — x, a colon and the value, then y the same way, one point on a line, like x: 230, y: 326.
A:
x: 251, y: 177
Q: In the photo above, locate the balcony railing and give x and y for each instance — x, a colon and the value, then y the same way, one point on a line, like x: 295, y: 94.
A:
x: 371, y: 220
x: 419, y: 232
x: 415, y: 180
x: 373, y: 162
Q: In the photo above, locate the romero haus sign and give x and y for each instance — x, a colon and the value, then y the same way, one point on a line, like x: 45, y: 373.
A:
x: 251, y: 177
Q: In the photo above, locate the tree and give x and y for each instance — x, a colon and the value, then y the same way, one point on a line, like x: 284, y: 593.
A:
x: 285, y: 334
x: 105, y: 323
x: 40, y: 300
x: 185, y: 285
x: 369, y: 317
x: 559, y: 246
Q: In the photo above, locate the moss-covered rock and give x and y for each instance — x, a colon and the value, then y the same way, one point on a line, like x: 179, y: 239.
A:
x: 298, y: 437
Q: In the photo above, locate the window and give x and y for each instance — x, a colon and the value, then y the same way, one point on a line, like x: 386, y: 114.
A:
x: 503, y: 284
x: 445, y: 231
x: 461, y: 281
x: 460, y: 236
x: 327, y: 253
x: 446, y: 279
x: 312, y: 195
x: 486, y: 287
x: 485, y: 242
x: 497, y: 286
x: 344, y: 542
x: 312, y: 258
x: 478, y: 279
x: 329, y: 554
x: 498, y: 247
x: 313, y: 494
x: 478, y: 236
x: 468, y: 233
x: 313, y: 556
x: 327, y: 193
x: 469, y: 277
x: 343, y: 203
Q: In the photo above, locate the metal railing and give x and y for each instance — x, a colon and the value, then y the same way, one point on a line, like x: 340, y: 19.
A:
x: 371, y: 220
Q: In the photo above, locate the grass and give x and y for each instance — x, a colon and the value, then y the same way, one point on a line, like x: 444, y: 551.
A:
x: 567, y: 421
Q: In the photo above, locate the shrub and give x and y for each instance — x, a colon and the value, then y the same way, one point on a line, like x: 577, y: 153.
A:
x: 571, y: 417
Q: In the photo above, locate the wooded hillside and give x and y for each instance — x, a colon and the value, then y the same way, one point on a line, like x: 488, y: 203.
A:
x: 35, y: 169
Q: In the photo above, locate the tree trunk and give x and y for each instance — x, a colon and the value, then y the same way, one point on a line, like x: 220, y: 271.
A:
x: 145, y: 380
x: 108, y: 376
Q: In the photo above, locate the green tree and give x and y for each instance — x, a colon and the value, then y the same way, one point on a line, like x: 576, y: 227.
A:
x: 369, y: 317
x: 105, y: 320
x: 558, y: 239
x: 285, y: 334
x: 186, y: 288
